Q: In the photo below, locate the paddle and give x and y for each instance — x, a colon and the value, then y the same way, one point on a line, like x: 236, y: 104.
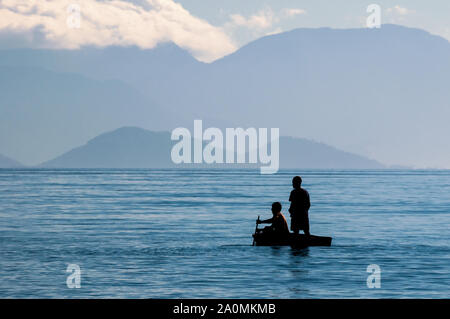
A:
x: 256, y: 229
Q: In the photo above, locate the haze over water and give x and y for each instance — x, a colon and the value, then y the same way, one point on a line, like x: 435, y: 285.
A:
x: 187, y: 233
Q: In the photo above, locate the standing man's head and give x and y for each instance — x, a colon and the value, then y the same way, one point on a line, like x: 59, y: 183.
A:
x: 297, y: 182
x: 276, y: 208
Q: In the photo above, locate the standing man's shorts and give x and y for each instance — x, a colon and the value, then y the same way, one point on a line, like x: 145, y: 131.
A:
x: 300, y: 221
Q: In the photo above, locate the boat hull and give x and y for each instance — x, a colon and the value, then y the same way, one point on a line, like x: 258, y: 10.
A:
x: 294, y: 240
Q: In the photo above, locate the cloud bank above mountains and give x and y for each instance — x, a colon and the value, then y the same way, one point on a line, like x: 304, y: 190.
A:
x: 69, y: 25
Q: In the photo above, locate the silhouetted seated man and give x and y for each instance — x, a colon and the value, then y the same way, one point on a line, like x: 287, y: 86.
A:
x: 300, y: 205
x: 279, y: 227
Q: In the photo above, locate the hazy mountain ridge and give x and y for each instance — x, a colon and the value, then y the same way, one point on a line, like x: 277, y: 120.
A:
x: 304, y: 153
x: 55, y: 111
x: 6, y: 162
x: 132, y: 147
x: 380, y: 93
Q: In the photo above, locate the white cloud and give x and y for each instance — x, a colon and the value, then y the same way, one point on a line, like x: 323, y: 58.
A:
x: 261, y: 20
x: 276, y: 31
x: 292, y: 12
x: 398, y: 15
x: 114, y: 22
x: 399, y: 10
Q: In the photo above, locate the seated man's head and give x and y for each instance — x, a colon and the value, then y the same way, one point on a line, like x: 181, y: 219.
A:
x: 297, y: 182
x: 276, y: 208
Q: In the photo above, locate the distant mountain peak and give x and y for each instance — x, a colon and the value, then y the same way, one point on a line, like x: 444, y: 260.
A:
x: 6, y: 162
x: 133, y: 147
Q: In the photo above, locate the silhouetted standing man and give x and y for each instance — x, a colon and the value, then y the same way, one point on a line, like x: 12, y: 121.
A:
x: 300, y: 204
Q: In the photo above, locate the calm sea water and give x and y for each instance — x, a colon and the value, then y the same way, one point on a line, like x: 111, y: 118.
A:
x: 187, y: 233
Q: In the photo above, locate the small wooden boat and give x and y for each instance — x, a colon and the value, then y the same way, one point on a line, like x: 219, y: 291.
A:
x: 265, y: 238
x: 295, y: 240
